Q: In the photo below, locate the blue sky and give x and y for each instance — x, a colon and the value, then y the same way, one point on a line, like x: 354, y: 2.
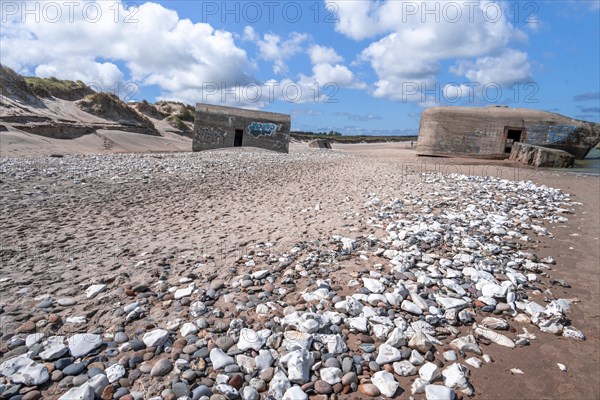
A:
x: 357, y: 67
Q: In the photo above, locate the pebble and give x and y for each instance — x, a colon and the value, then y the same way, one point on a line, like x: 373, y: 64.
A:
x: 161, y: 368
x: 115, y: 372
x: 266, y: 336
x: 369, y: 390
x: 82, y: 344
x: 155, y: 337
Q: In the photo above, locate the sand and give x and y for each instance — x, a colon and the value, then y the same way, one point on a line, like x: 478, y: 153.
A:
x: 99, y: 216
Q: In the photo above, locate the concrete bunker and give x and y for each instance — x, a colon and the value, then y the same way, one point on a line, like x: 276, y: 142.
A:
x: 491, y: 132
x: 320, y: 144
x: 220, y: 126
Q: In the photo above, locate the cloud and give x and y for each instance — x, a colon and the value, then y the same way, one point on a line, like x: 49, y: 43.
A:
x: 323, y: 55
x: 327, y: 70
x: 273, y: 48
x: 586, y: 110
x: 358, y: 117
x: 587, y: 96
x: 510, y: 67
x: 419, y: 36
x: 305, y: 112
x: 150, y: 43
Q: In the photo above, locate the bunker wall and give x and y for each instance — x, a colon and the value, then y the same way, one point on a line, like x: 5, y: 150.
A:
x: 215, y: 127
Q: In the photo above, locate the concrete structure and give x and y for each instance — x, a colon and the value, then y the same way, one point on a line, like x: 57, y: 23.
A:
x: 489, y: 132
x: 538, y: 156
x: 320, y: 144
x: 219, y: 126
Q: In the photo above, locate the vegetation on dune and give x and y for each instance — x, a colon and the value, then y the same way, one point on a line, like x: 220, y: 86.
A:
x: 107, y: 105
x: 338, y: 138
x: 62, y: 89
x: 177, y: 122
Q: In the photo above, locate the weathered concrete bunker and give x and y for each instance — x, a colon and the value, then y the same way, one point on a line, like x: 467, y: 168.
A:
x: 220, y: 126
x: 320, y: 144
x: 489, y: 132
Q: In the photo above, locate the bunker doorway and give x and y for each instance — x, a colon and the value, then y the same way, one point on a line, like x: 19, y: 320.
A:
x: 512, y: 135
x: 237, y: 140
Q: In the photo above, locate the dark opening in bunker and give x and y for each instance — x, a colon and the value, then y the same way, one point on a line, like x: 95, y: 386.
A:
x: 237, y: 140
x: 512, y: 135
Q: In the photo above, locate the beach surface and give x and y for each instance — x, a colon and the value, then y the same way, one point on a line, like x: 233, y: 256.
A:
x: 119, y: 220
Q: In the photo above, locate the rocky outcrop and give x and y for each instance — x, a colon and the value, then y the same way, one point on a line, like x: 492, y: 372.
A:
x: 538, y: 156
x: 320, y: 144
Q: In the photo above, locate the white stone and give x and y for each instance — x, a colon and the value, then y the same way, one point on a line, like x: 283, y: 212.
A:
x: 53, y: 351
x: 227, y: 390
x: 450, y: 303
x: 455, y: 377
x: 493, y: 290
x: 397, y: 338
x: 381, y: 331
x: 348, y: 244
x: 373, y: 285
x: 155, y: 337
x: 335, y: 344
x: 98, y: 383
x: 278, y: 385
x: 76, y: 319
x: 294, y: 340
x: 353, y: 306
x: 429, y: 372
x: 331, y: 375
x: 294, y: 393
x: 262, y: 309
x: 466, y: 343
x: 418, y: 386
x: 188, y: 329
x: 494, y: 323
x: 495, y: 337
x: 184, y: 292
x: 93, y: 290
x: 249, y: 393
x: 247, y: 364
x: 393, y: 298
x: 474, y: 362
x: 573, y: 333
x: 81, y: 344
x: 387, y: 354
x: 358, y: 323
x: 411, y: 307
x: 219, y: 359
x: 450, y: 355
x: 298, y: 364
x: 33, y: 339
x: 260, y: 274
x: 263, y: 360
x: 438, y: 392
x: 83, y: 392
x: 416, y: 358
x: 114, y: 372
x: 420, y: 342
x: 418, y: 300
x: 385, y: 382
x: 250, y: 339
x: 24, y: 370
x: 404, y: 368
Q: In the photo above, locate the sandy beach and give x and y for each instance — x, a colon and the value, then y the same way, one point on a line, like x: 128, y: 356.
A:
x: 125, y: 220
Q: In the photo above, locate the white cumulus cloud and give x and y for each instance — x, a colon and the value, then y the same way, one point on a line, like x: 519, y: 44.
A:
x: 152, y: 43
x: 411, y: 40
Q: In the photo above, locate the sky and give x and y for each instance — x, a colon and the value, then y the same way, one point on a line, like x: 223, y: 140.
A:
x: 351, y: 66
